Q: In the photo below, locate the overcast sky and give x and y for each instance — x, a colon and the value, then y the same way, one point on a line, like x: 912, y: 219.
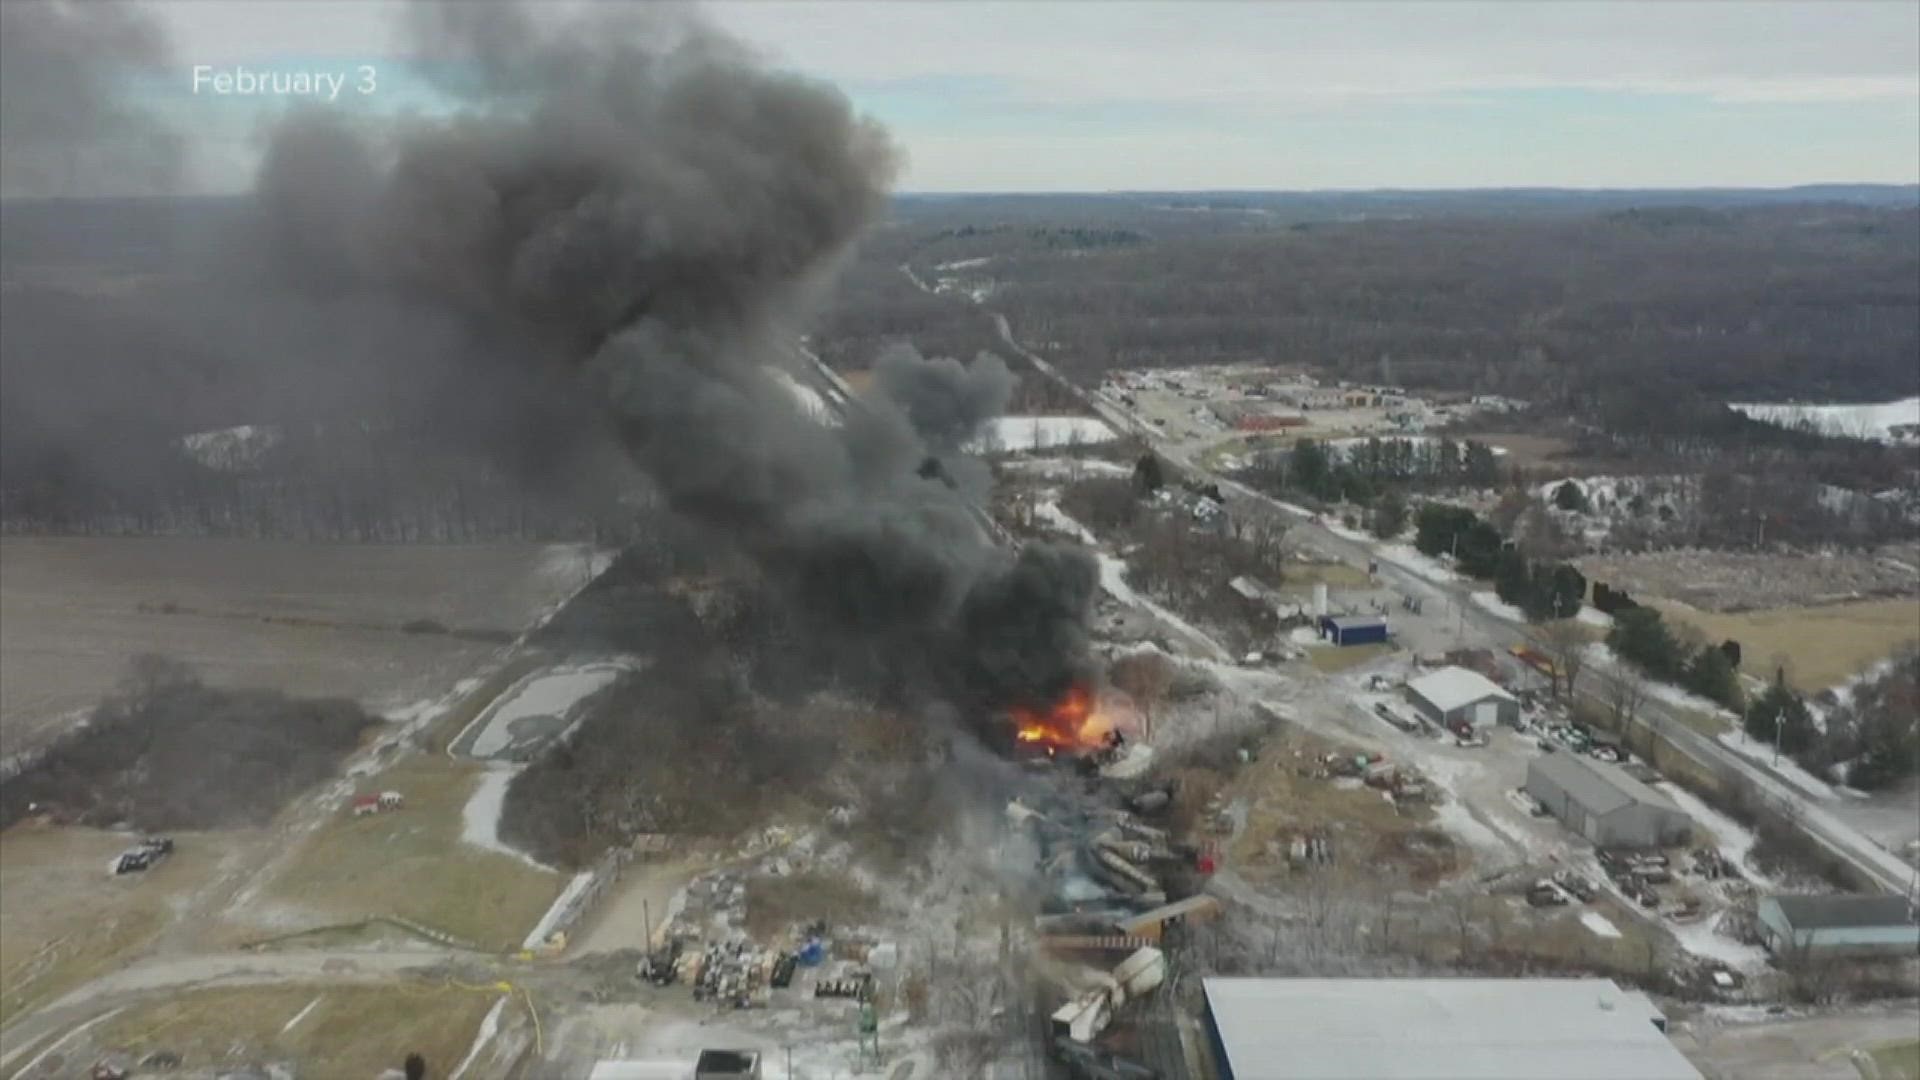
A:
x: 1082, y: 95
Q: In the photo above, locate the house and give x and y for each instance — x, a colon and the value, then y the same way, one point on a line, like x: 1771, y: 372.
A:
x: 1455, y: 697
x: 1353, y: 629
x: 1821, y: 926
x: 1435, y: 1029
x: 1604, y: 804
x: 365, y: 805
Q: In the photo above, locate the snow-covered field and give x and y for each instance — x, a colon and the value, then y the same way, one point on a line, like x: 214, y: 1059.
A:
x: 1871, y: 420
x: 1017, y: 434
x: 1066, y: 468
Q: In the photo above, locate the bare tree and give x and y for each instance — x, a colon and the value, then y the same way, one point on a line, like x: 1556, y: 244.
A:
x: 1144, y: 677
x: 1567, y: 646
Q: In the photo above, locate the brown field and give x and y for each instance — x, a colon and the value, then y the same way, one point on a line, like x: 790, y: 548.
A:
x: 1282, y: 804
x: 305, y: 618
x: 413, y: 864
x: 1822, y: 646
x: 1529, y: 451
x: 66, y: 919
x: 350, y: 1031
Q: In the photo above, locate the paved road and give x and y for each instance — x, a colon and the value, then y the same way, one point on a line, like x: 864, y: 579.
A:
x: 1832, y: 834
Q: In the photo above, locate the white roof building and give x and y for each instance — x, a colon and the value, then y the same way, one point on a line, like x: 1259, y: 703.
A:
x: 1455, y: 693
x: 1436, y: 1029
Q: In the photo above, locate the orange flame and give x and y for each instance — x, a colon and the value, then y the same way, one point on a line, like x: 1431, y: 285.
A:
x: 1075, y: 722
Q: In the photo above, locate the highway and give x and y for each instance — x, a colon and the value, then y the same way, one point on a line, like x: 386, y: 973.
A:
x: 1833, y: 835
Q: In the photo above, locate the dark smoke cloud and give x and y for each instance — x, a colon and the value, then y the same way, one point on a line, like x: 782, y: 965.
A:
x: 945, y: 400
x: 70, y: 121
x: 614, y: 236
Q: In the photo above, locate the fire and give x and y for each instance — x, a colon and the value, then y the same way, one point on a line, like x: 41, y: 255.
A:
x: 1075, y: 722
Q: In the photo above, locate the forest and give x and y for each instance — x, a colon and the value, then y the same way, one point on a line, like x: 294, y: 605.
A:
x: 1638, y: 313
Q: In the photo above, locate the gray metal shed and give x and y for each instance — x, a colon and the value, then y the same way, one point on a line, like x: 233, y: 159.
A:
x: 1839, y: 925
x: 1604, y: 804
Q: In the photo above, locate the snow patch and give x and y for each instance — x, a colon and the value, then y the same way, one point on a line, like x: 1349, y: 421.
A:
x: 1492, y: 602
x: 811, y: 403
x: 1704, y: 939
x: 1761, y: 753
x: 1593, y: 616
x: 1057, y: 519
x: 1873, y: 420
x: 234, y: 449
x: 1066, y: 468
x: 1015, y: 434
x: 1733, y: 840
x: 480, y: 818
x: 1407, y: 557
x: 964, y: 264
x: 554, y: 693
x: 301, y: 1015
x: 1599, y: 924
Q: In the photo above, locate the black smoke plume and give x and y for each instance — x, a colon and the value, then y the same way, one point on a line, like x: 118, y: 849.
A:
x: 613, y: 238
x: 71, y: 122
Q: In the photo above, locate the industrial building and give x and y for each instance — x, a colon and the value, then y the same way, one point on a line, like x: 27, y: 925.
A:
x: 1812, y: 927
x: 1604, y: 804
x: 1353, y: 629
x: 1436, y: 1029
x: 1454, y: 696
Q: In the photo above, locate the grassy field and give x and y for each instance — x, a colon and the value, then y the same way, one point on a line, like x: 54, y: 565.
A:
x: 348, y: 1032
x: 66, y: 919
x: 1896, y: 1061
x: 413, y: 864
x: 1823, y: 646
x: 305, y: 618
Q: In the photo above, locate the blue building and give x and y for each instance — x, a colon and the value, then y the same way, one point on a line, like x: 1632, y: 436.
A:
x: 1353, y: 629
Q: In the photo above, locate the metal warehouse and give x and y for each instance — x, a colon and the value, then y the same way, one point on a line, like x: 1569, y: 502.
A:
x: 1818, y: 926
x: 1453, y: 696
x: 1436, y: 1029
x: 1353, y: 629
x: 1604, y: 804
